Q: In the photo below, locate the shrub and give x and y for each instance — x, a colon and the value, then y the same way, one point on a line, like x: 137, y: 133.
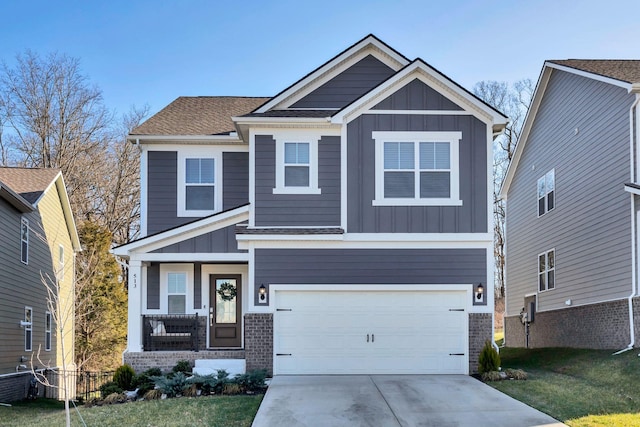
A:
x: 115, y: 398
x: 182, y: 366
x: 109, y: 388
x: 253, y: 380
x: 144, y: 382
x: 489, y: 359
x: 516, y: 374
x: 231, y: 388
x: 153, y: 394
x: 173, y: 385
x: 190, y: 391
x: 491, y: 376
x: 123, y: 376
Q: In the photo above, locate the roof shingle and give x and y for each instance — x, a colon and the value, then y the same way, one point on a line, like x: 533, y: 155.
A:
x: 199, y: 115
x: 29, y: 183
x: 626, y: 70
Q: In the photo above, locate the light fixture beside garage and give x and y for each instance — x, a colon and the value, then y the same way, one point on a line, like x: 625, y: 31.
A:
x: 262, y: 294
x: 480, y: 293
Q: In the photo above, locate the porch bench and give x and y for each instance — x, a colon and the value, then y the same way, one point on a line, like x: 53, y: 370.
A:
x: 170, y: 333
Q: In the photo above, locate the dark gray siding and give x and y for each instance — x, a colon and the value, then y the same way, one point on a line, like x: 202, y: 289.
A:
x: 219, y: 241
x: 298, y: 209
x: 162, y: 190
x: 197, y: 285
x: 416, y: 96
x: 590, y: 225
x: 235, y: 180
x: 153, y: 286
x: 370, y: 266
x: 21, y: 285
x: 348, y: 85
x: 471, y: 217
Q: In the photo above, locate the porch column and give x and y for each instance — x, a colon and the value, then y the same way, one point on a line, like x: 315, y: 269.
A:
x: 134, y: 335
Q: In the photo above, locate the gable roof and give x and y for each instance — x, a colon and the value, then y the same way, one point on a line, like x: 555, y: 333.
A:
x: 368, y: 45
x: 14, y: 199
x: 623, y: 73
x: 199, y: 115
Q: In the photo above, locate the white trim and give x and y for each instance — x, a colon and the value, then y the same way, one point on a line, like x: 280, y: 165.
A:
x: 592, y: 76
x: 28, y: 327
x: 368, y: 46
x: 402, y: 287
x: 185, y: 153
x: 178, y: 234
x: 452, y: 138
x: 47, y: 331
x: 165, y: 269
x: 283, y: 243
x: 185, y: 139
x: 192, y: 257
x: 252, y: 177
x: 421, y: 112
x: 343, y: 179
x: 573, y: 305
x: 280, y: 120
x: 546, y: 271
x: 24, y: 257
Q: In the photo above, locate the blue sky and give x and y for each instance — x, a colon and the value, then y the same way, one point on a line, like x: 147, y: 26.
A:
x: 152, y: 51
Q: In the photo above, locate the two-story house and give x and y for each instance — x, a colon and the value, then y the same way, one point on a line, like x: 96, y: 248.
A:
x: 572, y: 194
x: 39, y: 242
x: 341, y: 226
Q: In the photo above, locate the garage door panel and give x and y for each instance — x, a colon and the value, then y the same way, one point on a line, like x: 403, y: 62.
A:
x: 336, y: 332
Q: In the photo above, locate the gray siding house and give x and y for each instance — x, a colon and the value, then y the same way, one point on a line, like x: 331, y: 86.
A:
x: 341, y: 226
x: 39, y: 242
x: 572, y: 201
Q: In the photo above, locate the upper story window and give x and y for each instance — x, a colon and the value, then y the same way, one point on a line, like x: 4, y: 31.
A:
x: 296, y: 163
x: 546, y: 192
x: 547, y: 270
x: 199, y: 189
x: 417, y: 168
x: 24, y: 240
x: 47, y: 331
x: 28, y: 329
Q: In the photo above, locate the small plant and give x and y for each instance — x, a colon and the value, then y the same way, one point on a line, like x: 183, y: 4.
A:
x: 172, y: 386
x: 491, y: 376
x: 231, y: 388
x: 123, y: 376
x: 516, y: 374
x: 182, y: 366
x: 154, y: 394
x: 190, y: 391
x: 109, y: 388
x: 144, y: 382
x: 489, y: 359
x: 114, y: 398
x: 253, y: 380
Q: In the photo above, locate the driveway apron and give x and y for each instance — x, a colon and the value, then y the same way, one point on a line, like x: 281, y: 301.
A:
x: 390, y: 401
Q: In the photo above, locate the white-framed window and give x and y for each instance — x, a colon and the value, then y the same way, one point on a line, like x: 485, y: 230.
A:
x: 60, y: 274
x: 28, y: 329
x: 24, y: 240
x: 177, y: 293
x: 547, y: 270
x: 199, y: 183
x: 176, y: 288
x: 47, y: 331
x: 546, y: 192
x: 417, y: 168
x: 296, y: 163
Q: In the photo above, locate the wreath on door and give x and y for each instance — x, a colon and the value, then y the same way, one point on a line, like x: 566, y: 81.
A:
x: 227, y: 291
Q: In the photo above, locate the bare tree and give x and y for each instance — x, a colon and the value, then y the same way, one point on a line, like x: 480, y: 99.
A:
x: 512, y: 100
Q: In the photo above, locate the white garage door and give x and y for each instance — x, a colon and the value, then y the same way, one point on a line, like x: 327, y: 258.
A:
x: 379, y: 332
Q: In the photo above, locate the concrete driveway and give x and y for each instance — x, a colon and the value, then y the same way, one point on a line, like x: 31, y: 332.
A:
x: 390, y: 400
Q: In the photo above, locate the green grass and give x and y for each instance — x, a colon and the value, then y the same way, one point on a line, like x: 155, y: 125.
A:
x: 232, y: 411
x: 578, y: 387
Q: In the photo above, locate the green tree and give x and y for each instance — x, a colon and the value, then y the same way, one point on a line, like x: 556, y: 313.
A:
x: 101, y: 302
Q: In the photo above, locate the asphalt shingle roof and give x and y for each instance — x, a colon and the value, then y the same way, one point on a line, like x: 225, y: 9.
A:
x: 294, y: 113
x: 626, y: 70
x: 30, y: 183
x: 199, y: 115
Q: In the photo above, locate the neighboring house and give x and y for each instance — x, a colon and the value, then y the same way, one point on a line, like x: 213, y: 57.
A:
x: 342, y: 226
x: 39, y: 242
x: 572, y: 210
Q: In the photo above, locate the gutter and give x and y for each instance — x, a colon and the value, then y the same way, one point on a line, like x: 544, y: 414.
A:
x: 634, y: 238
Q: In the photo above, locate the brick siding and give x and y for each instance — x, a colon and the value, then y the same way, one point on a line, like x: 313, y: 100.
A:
x: 258, y: 341
x: 480, y: 330
x: 166, y: 360
x: 597, y: 326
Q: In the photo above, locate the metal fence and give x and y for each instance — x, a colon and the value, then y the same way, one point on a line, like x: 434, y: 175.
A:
x: 87, y: 384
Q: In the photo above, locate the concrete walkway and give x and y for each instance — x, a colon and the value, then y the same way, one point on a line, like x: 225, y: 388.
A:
x: 390, y: 400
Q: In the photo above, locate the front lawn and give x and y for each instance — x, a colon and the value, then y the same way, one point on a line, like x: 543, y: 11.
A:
x: 578, y: 387
x: 234, y: 411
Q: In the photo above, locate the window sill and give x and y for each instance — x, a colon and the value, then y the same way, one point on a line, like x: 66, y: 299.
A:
x: 194, y: 214
x: 416, y: 202
x: 296, y: 190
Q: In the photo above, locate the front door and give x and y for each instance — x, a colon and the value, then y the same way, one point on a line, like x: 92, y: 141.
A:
x: 225, y: 314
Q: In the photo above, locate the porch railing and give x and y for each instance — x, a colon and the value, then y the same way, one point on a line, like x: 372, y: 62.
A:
x: 168, y: 332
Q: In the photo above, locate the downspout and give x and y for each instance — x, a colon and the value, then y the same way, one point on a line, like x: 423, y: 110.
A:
x: 634, y: 280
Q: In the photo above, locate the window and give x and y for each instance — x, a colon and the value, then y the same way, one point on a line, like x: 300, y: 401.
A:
x: 417, y: 168
x: 546, y: 192
x: 24, y: 240
x: 199, y: 182
x: 28, y: 336
x: 177, y: 293
x: 47, y: 331
x: 296, y: 163
x: 547, y: 270
x: 60, y: 274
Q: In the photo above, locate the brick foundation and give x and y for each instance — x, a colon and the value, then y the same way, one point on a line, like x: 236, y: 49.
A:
x: 258, y: 341
x: 480, y: 330
x: 597, y: 326
x: 166, y: 360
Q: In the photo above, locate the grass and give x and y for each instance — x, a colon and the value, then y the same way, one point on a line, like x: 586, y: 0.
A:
x: 232, y: 411
x: 579, y: 387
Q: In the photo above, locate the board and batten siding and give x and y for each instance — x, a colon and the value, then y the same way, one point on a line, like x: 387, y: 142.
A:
x: 370, y: 266
x: 347, y: 86
x: 21, y: 285
x: 219, y: 241
x: 590, y: 226
x: 297, y: 209
x: 362, y: 217
x: 416, y: 95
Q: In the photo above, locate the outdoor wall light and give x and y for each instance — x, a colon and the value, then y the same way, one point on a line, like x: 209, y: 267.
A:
x: 480, y: 293
x: 262, y: 294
